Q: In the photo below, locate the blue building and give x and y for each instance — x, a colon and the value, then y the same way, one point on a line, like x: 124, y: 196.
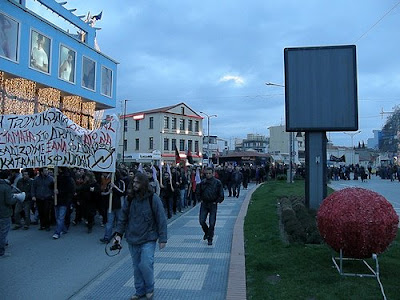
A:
x: 43, y: 65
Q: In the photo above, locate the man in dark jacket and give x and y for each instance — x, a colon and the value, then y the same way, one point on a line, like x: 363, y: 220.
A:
x: 24, y: 185
x: 237, y: 178
x: 42, y: 194
x: 65, y: 192
x: 6, y: 203
x: 210, y: 192
x: 143, y: 221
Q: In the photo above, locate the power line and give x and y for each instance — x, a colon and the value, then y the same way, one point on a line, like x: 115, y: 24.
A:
x: 389, y: 11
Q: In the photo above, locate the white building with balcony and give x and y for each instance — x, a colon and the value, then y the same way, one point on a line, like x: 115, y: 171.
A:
x: 153, y: 135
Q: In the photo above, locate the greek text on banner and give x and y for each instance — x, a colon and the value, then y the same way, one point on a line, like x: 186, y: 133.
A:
x: 51, y: 139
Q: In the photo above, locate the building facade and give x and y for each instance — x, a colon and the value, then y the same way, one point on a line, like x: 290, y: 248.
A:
x: 44, y: 65
x: 279, y: 145
x: 153, y: 136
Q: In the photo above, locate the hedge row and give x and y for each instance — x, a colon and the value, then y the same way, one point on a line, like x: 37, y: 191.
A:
x: 298, y: 222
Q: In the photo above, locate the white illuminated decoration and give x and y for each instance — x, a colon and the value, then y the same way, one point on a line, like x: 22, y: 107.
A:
x: 138, y: 117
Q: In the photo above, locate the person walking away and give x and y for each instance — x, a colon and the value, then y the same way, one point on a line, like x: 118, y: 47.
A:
x: 6, y: 203
x: 24, y: 185
x: 65, y: 192
x: 42, y: 194
x: 229, y: 180
x: 143, y: 222
x: 167, y: 194
x: 237, y: 178
x: 246, y: 177
x: 183, y: 185
x: 210, y: 192
x: 118, y: 191
x: 90, y: 192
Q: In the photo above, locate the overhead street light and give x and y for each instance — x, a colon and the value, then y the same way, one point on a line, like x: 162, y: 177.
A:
x: 123, y: 133
x: 291, y: 141
x: 352, y: 134
x: 274, y: 84
x: 208, y: 132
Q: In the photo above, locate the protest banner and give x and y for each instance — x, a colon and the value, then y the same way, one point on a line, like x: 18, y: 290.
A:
x: 51, y: 139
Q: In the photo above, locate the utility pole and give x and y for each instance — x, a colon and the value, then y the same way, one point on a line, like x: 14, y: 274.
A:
x: 123, y: 133
x: 208, y: 133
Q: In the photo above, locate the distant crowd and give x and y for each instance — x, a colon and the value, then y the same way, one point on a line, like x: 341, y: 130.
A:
x: 356, y: 172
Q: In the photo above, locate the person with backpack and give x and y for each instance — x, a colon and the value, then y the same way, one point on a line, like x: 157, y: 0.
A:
x: 143, y: 222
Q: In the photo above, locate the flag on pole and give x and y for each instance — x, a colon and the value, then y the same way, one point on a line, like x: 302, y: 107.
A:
x: 197, y: 178
x: 177, y: 157
x: 98, y: 17
x: 154, y: 172
x: 190, y: 157
x: 169, y: 171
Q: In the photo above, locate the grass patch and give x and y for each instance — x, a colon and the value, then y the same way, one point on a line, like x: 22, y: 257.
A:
x: 276, y: 270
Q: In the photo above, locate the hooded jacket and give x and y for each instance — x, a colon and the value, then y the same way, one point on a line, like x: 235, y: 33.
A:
x: 142, y: 222
x: 6, y: 199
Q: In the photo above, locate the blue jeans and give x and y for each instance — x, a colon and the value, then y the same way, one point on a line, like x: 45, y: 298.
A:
x: 143, y: 266
x: 111, y: 217
x: 5, y: 224
x: 181, y: 202
x: 205, y: 209
x: 60, y: 212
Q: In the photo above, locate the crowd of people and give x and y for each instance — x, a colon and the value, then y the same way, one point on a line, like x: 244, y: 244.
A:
x: 78, y: 197
x: 356, y: 172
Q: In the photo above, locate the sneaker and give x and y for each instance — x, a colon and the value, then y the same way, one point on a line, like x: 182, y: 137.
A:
x: 136, y: 297
x: 102, y: 224
x: 209, y: 242
x: 149, y: 295
x: 56, y: 236
x: 16, y: 227
x: 104, y: 241
x: 205, y: 237
x: 6, y: 254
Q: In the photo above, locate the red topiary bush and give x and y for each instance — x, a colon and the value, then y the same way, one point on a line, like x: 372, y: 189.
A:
x: 358, y: 221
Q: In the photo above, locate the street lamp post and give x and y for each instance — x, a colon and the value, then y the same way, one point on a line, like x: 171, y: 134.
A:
x: 291, y: 141
x: 208, y: 132
x: 123, y: 133
x: 352, y: 134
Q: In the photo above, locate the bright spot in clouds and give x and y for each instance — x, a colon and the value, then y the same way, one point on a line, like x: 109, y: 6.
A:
x: 237, y: 79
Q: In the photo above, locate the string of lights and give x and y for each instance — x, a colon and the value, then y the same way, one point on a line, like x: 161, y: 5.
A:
x: 22, y: 97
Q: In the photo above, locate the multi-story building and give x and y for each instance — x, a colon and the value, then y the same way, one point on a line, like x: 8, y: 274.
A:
x: 256, y: 142
x: 279, y: 145
x: 154, y: 135
x: 215, y: 146
x: 44, y: 65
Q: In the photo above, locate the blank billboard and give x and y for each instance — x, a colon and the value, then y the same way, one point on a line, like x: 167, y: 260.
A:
x: 321, y: 88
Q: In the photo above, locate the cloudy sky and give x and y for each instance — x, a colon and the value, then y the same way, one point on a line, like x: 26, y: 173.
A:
x: 216, y: 55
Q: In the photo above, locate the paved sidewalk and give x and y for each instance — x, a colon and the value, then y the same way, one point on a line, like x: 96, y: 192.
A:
x: 187, y: 268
